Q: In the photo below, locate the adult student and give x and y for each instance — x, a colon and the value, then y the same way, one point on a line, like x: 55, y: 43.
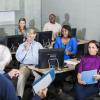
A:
x: 27, y: 54
x: 89, y: 62
x: 66, y: 42
x: 53, y: 26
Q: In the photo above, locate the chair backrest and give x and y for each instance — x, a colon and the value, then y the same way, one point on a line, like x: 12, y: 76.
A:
x: 73, y: 32
x: 3, y: 40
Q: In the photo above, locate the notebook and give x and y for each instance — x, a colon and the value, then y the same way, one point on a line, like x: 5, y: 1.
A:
x: 44, y: 81
x: 87, y: 76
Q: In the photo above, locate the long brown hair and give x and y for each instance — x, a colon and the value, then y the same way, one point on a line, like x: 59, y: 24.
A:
x: 22, y: 19
x: 97, y: 45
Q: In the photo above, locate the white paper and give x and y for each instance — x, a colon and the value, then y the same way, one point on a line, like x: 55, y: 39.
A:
x: 71, y: 62
x: 87, y: 76
x: 44, y: 83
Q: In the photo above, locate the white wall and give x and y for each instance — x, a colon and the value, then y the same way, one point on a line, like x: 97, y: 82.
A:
x: 6, y: 5
x: 32, y: 13
x: 30, y: 9
x: 82, y: 14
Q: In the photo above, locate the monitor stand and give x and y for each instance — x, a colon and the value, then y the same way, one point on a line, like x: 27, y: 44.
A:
x: 53, y: 63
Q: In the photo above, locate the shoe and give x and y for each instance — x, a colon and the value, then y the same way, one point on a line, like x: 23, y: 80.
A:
x: 99, y: 93
x: 19, y: 98
x: 60, y: 91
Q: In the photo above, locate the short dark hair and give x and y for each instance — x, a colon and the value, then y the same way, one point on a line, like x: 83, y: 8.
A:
x: 52, y: 15
x: 67, y: 27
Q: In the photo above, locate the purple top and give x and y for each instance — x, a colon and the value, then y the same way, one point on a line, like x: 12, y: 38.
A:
x: 89, y: 63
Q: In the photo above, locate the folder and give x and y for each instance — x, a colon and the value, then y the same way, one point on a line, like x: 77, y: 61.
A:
x: 44, y: 81
x: 2, y: 72
x: 88, y: 76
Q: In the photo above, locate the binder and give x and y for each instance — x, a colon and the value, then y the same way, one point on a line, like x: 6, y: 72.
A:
x: 44, y: 81
x: 87, y: 76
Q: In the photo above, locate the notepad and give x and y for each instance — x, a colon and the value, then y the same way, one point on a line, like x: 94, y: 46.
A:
x: 87, y: 76
x: 44, y: 81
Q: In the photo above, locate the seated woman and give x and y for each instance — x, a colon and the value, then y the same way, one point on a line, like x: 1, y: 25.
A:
x: 21, y: 29
x: 67, y: 42
x: 89, y: 62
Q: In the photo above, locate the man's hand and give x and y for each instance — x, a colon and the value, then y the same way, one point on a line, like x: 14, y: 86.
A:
x: 42, y: 93
x: 14, y: 73
x: 27, y: 45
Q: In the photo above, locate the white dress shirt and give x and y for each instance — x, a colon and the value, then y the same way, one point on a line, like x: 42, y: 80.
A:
x: 29, y: 56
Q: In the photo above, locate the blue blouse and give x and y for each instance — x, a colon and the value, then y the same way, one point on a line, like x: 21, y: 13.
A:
x: 71, y: 46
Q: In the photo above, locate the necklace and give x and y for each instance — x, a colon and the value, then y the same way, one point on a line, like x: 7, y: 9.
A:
x: 65, y: 41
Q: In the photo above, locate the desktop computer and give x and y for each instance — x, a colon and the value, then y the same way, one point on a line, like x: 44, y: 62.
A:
x: 44, y: 38
x: 13, y: 42
x: 3, y: 40
x: 51, y: 58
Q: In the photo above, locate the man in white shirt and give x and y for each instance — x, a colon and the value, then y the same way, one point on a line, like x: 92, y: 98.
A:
x: 53, y: 26
x: 27, y: 55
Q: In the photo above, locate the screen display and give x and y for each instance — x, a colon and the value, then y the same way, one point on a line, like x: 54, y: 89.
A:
x: 44, y: 38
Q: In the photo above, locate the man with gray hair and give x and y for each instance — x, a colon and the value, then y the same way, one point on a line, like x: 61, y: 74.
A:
x: 7, y: 90
x: 27, y: 55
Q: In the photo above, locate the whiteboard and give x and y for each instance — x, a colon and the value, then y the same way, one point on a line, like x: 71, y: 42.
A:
x: 7, y: 18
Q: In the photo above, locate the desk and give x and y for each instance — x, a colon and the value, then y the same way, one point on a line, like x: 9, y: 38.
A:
x: 82, y: 41
x: 70, y: 67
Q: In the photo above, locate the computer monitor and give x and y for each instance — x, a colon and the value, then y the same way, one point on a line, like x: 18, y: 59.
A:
x: 13, y: 41
x: 51, y: 58
x: 73, y: 32
x: 3, y: 40
x: 44, y: 38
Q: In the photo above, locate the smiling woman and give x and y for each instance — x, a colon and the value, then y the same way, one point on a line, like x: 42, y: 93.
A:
x: 90, y: 62
x: 67, y: 42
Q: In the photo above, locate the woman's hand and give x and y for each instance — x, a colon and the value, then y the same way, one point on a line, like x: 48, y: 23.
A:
x: 96, y: 77
x: 79, y: 79
x: 81, y: 82
x: 67, y: 52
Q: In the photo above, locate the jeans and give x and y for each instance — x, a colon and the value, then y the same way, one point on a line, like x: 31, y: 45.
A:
x: 84, y: 91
